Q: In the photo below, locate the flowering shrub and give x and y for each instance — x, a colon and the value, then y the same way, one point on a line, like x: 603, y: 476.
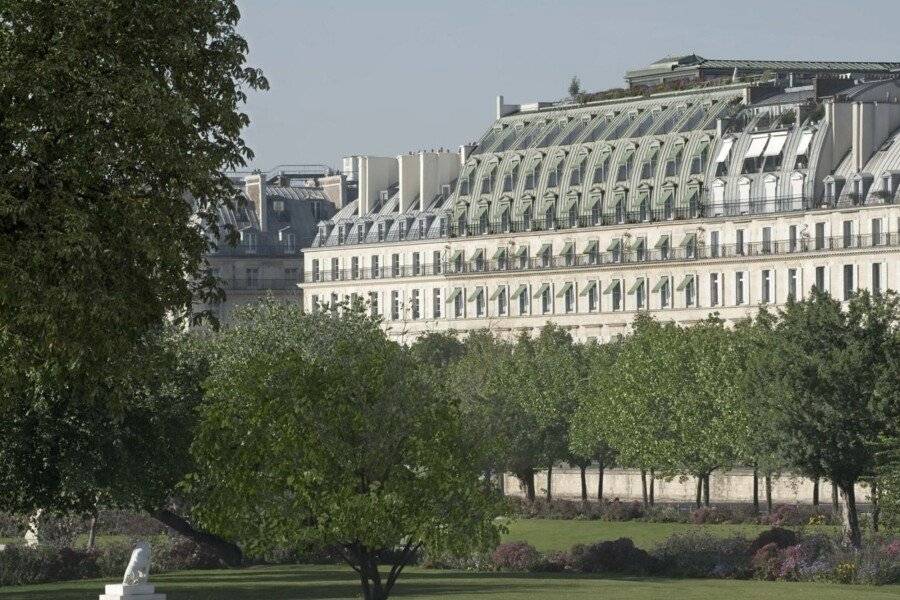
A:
x: 845, y: 572
x: 782, y: 538
x: 515, y: 556
x: 698, y: 554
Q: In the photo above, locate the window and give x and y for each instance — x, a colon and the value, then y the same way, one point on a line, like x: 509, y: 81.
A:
x: 624, y: 172
x: 250, y: 241
x: 381, y: 232
x: 479, y: 302
x: 546, y: 299
x: 848, y: 234
x: 395, y: 305
x: 575, y: 177
x: 876, y: 232
x: 640, y: 249
x: 766, y: 286
x: 739, y: 287
x: 876, y: 279
x: 739, y: 242
x: 373, y: 304
x: 436, y: 303
x: 414, y: 305
x: 698, y: 161
x: 767, y: 240
x: 714, y: 244
x: 690, y: 291
x: 315, y: 269
x: 569, y: 298
x: 416, y: 263
x: 335, y: 269
x: 291, y: 275
x: 478, y: 260
x: 568, y: 254
x: 592, y: 297
x: 640, y: 294
x: 713, y: 289
x: 459, y: 303
x: 616, y: 295
x: 792, y: 284
x: 820, y: 236
x: 252, y: 278
x: 545, y: 256
x: 820, y: 279
x: 376, y: 269
x: 792, y: 238
x: 848, y: 281
x: 502, y: 303
x: 314, y: 303
x: 555, y: 176
x: 502, y: 259
x: 395, y: 265
x: 600, y: 170
x: 664, y: 246
x: 523, y: 300
x: 354, y: 267
x: 664, y: 292
x: 290, y: 242
x: 436, y: 262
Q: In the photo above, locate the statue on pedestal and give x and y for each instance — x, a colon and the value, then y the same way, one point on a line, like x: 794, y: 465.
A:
x: 134, y: 584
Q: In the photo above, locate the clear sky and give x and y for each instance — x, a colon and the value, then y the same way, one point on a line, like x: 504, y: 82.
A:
x: 387, y: 76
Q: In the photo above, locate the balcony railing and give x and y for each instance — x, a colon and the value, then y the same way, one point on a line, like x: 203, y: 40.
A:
x: 270, y: 250
x: 692, y: 251
x: 253, y: 284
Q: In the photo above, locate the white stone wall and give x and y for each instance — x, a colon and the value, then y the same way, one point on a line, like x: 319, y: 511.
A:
x: 735, y: 486
x: 605, y: 323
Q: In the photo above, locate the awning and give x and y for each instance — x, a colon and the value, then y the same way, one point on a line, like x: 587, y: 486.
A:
x: 590, y: 248
x: 666, y: 193
x: 757, y: 144
x: 544, y: 248
x: 725, y: 150
x: 475, y: 294
x: 676, y: 150
x: 567, y: 248
x: 662, y: 241
x: 659, y: 284
x: 688, y: 240
x: 456, y: 292
x: 564, y: 290
x: 478, y: 254
x: 497, y: 292
x: 541, y: 290
x: 776, y: 144
x: 456, y: 255
x: 613, y: 285
x: 587, y: 288
x: 805, y: 139
x: 652, y: 152
x: 637, y: 285
x: 626, y: 155
x: 684, y: 282
x: 523, y: 251
x: 520, y: 290
x: 614, y: 245
x: 500, y: 253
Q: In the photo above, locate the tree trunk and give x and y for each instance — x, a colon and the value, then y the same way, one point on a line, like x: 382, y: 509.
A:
x: 602, y: 470
x: 644, y: 486
x: 584, y: 496
x: 849, y: 517
x: 364, y: 561
x: 92, y: 534
x: 769, y: 492
x: 835, y: 506
x: 706, y: 490
x: 230, y: 553
x: 527, y: 478
x: 816, y: 491
x: 876, y: 507
x: 755, y: 490
x: 652, y: 487
x: 699, y: 490
x: 549, y: 484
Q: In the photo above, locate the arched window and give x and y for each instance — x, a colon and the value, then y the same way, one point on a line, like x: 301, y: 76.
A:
x: 600, y: 171
x: 796, y: 199
x: 770, y: 193
x: 743, y: 195
x: 504, y: 219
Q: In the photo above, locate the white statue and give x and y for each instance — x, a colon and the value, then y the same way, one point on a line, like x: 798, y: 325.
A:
x: 138, y: 570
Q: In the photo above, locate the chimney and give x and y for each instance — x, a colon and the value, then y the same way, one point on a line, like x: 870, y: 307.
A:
x: 335, y: 187
x: 408, y: 165
x: 465, y: 151
x: 255, y: 188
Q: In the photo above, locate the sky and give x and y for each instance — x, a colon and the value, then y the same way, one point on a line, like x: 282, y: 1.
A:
x: 384, y: 77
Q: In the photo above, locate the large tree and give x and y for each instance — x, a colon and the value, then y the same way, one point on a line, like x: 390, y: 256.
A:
x: 838, y: 363
x: 118, y: 118
x: 317, y: 429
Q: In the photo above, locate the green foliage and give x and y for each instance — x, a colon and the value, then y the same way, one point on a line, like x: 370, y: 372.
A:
x: 317, y: 429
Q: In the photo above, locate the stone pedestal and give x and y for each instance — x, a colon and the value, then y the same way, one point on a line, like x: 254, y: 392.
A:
x: 121, y: 591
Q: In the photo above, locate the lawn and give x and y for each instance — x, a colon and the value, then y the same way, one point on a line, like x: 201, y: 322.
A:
x: 321, y: 582
x: 550, y: 534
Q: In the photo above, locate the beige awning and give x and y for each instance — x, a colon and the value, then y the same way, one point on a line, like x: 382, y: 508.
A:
x: 757, y: 144
x: 612, y: 286
x: 590, y: 248
x: 497, y: 292
x: 541, y: 290
x: 659, y: 284
x: 500, y: 253
x: 776, y: 144
x: 688, y: 240
x: 567, y: 248
x: 587, y: 288
x: 725, y: 150
x: 613, y: 245
x: 803, y: 145
x: 520, y: 290
x: 474, y: 295
x: 662, y: 241
x: 684, y: 282
x: 456, y: 292
x: 564, y: 290
x: 636, y: 286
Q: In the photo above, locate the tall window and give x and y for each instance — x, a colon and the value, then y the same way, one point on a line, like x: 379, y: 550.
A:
x: 252, y: 278
x: 792, y: 284
x: 376, y: 269
x: 373, y: 304
x: 876, y: 278
x: 436, y: 262
x: 502, y: 302
x: 617, y: 295
x: 335, y: 269
x: 315, y: 269
x: 395, y: 265
x: 479, y: 302
x: 739, y: 242
x: 876, y: 232
x: 354, y: 267
x: 713, y: 289
x: 820, y: 236
x: 766, y: 285
x: 436, y: 303
x: 414, y: 305
x: 395, y: 305
x: 739, y: 287
x: 600, y: 169
x: 690, y: 292
x: 664, y: 293
x: 848, y: 234
x: 523, y: 302
x: 767, y: 240
x: 416, y: 263
x: 792, y: 238
x: 546, y: 300
x: 848, y: 281
x: 820, y: 279
x: 714, y: 244
x: 592, y: 297
x: 569, y: 298
x: 640, y: 296
x: 459, y: 303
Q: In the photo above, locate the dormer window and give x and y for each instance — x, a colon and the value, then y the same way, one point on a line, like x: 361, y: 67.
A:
x: 626, y: 164
x: 648, y: 166
x: 555, y: 176
x: 600, y: 171
x: 278, y: 205
x: 250, y: 239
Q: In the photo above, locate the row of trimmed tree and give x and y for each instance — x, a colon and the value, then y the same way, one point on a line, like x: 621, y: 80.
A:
x: 813, y: 389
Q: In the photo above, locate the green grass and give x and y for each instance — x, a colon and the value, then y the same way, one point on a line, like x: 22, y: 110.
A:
x: 550, y: 534
x: 321, y: 582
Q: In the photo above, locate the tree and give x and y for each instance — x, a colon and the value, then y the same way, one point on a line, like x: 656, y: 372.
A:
x: 317, y: 429
x: 114, y: 114
x: 575, y: 88
x: 837, y: 364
